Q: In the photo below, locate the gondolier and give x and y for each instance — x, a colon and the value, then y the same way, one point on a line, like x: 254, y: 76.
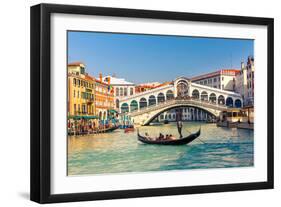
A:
x: 179, y: 125
x: 179, y: 121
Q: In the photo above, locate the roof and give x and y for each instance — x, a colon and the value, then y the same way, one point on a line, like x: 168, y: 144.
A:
x: 216, y: 73
x: 101, y: 82
x: 150, y: 84
x: 75, y: 64
x: 145, y: 86
x: 163, y: 84
x: 227, y: 71
x: 117, y: 81
x: 88, y: 77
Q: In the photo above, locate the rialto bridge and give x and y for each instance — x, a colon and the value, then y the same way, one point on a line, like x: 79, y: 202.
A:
x: 144, y: 107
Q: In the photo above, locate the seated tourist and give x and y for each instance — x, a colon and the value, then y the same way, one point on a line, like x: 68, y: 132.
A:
x: 161, y: 136
x: 171, y: 137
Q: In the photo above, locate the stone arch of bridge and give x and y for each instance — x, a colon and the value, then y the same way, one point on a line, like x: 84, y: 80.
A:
x: 151, y: 118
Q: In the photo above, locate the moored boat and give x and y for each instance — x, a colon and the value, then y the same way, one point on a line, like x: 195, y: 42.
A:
x: 155, y: 124
x: 111, y: 129
x: 129, y: 130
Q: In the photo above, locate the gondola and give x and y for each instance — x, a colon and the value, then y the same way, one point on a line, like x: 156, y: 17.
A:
x: 131, y: 129
x: 180, y: 141
x: 111, y: 129
x: 166, y: 121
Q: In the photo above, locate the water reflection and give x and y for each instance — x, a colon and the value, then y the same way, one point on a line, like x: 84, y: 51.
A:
x: 119, y: 152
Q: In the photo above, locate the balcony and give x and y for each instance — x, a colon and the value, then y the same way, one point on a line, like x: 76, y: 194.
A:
x: 90, y: 100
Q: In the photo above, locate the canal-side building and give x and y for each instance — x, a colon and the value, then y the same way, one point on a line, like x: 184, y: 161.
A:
x: 104, y: 98
x: 81, y: 92
x: 244, y: 81
x: 222, y: 79
x: 121, y: 88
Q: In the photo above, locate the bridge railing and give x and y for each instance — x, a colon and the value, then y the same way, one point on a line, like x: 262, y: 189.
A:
x: 168, y: 103
x: 148, y: 92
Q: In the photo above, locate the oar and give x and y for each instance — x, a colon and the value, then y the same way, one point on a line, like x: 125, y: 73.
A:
x: 197, y: 137
x: 201, y: 140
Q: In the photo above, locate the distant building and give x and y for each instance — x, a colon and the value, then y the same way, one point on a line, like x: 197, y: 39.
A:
x: 244, y: 82
x: 121, y: 88
x: 148, y: 86
x: 222, y: 79
x: 142, y: 88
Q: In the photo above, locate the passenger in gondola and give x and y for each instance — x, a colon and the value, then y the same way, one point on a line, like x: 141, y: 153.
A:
x: 161, y: 136
x: 171, y: 137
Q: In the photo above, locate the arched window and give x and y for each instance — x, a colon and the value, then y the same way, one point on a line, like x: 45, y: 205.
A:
x: 134, y: 105
x: 117, y: 103
x: 143, y: 103
x: 221, y: 100
x: 74, y: 81
x: 160, y: 98
x: 100, y: 115
x: 195, y: 94
x: 151, y: 100
x: 117, y: 91
x: 182, y: 89
x: 169, y: 95
x: 229, y: 102
x: 124, y: 108
x: 238, y: 103
x: 213, y: 98
x: 104, y: 115
x: 131, y: 91
x: 204, y: 96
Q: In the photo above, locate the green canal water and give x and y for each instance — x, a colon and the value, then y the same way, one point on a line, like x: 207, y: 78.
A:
x: 120, y: 152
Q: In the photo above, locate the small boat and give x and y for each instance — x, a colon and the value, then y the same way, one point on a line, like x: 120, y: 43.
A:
x: 180, y: 141
x: 111, y: 129
x: 155, y: 124
x: 166, y: 121
x: 131, y: 129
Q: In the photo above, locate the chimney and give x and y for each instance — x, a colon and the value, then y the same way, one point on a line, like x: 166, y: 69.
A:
x: 100, y: 75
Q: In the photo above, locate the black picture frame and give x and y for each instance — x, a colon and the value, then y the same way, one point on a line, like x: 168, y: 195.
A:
x: 40, y: 184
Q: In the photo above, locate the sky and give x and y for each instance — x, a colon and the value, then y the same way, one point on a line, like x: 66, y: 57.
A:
x: 155, y: 58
